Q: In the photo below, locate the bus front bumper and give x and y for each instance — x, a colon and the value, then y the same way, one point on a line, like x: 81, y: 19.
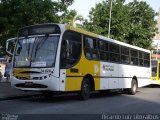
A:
x: 49, y: 84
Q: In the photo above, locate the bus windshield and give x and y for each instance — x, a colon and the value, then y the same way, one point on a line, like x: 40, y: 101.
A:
x: 39, y: 51
x: 154, y: 68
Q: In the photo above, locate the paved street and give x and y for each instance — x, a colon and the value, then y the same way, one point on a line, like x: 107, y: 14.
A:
x: 146, y: 101
x: 8, y: 93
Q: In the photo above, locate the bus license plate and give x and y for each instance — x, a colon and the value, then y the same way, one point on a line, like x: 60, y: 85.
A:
x: 28, y: 83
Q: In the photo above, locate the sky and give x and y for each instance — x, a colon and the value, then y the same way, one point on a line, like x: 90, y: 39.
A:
x: 84, y: 6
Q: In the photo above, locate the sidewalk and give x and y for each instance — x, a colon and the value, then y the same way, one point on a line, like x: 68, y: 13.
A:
x: 7, y: 92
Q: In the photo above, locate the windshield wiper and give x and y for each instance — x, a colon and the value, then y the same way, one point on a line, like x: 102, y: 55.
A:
x: 40, y: 44
x: 28, y: 51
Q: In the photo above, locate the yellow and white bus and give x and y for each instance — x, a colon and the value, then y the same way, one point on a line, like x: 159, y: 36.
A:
x: 156, y: 72
x: 61, y: 58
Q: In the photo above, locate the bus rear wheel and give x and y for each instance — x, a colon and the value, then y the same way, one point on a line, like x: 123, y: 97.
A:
x: 133, y: 89
x: 134, y: 86
x: 85, y: 89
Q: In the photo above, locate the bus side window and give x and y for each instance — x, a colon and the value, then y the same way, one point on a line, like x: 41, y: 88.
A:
x: 134, y: 57
x: 88, y: 53
x: 103, y: 50
x: 70, y: 49
x: 90, y: 48
x: 124, y: 55
x: 141, y: 58
x: 114, y: 55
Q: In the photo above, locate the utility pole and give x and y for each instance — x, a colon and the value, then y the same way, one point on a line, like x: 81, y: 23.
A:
x: 157, y: 51
x: 110, y: 17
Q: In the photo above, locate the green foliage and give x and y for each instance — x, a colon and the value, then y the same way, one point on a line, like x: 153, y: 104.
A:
x: 132, y: 23
x: 68, y: 16
x: 142, y: 24
x: 19, y: 13
x: 71, y: 17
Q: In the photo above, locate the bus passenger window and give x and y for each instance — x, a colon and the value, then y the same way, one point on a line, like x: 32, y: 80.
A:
x: 114, y: 57
x: 125, y: 59
x: 141, y: 58
x: 103, y: 50
x: 141, y: 63
x: 124, y: 55
x: 90, y: 48
x: 70, y: 50
x: 114, y: 48
x: 134, y: 61
x: 146, y: 63
x: 114, y: 53
x: 88, y: 53
x: 146, y: 60
x: 134, y: 57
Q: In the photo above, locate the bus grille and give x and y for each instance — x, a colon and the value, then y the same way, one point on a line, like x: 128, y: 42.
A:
x: 33, y: 78
x: 23, y: 85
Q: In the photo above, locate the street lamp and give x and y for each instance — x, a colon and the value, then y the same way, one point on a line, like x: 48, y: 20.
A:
x: 110, y: 16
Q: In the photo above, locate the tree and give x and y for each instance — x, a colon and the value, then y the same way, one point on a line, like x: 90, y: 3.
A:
x: 99, y: 19
x: 71, y: 17
x: 19, y: 13
x: 142, y: 24
x: 68, y: 16
x: 132, y: 23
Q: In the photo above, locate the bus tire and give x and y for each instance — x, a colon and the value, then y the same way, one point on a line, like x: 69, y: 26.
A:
x: 134, y: 86
x: 85, y: 89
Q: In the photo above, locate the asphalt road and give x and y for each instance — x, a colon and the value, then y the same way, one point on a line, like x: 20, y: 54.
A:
x: 146, y: 101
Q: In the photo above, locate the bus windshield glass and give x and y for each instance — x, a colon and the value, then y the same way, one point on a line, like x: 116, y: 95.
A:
x: 154, y: 68
x: 39, y: 51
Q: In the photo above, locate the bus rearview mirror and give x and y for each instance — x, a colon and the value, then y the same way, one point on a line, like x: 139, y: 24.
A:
x: 10, y: 45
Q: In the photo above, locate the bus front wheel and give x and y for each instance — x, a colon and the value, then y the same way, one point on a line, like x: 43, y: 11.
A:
x: 85, y: 89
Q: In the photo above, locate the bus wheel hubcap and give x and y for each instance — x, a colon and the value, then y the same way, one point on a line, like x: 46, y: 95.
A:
x: 134, y: 87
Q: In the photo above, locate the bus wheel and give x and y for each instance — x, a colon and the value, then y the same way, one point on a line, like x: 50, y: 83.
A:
x: 133, y: 88
x: 85, y: 89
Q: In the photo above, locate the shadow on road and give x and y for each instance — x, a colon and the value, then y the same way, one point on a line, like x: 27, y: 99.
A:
x: 152, y: 86
x: 68, y: 97
x: 146, y: 101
